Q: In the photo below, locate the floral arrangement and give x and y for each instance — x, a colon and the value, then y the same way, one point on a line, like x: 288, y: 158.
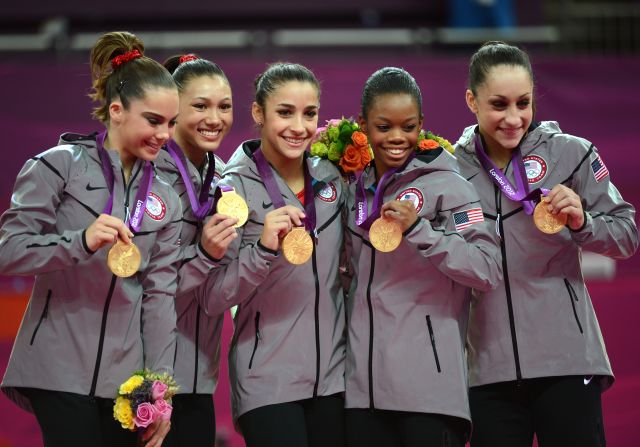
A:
x: 144, y: 398
x: 342, y: 142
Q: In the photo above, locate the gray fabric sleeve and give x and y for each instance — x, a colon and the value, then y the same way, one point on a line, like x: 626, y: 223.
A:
x: 610, y: 227
x: 243, y: 268
x: 469, y: 256
x: 29, y: 242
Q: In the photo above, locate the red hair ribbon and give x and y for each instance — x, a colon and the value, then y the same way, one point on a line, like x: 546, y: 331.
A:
x: 188, y: 57
x: 124, y: 58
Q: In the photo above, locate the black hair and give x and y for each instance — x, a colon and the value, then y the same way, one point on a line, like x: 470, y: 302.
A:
x: 279, y: 73
x: 184, y: 71
x: 492, y: 54
x: 389, y: 80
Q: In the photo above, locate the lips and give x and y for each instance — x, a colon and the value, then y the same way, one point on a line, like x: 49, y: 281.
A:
x: 294, y: 141
x: 209, y: 134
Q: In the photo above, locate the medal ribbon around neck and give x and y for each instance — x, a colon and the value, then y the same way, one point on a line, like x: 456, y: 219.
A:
x: 520, y: 192
x: 266, y: 173
x: 135, y: 220
x: 363, y: 218
x: 202, y: 204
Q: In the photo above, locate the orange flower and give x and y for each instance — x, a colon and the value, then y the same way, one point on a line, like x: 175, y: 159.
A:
x: 365, y: 157
x: 351, y: 159
x: 359, y: 139
x: 428, y: 144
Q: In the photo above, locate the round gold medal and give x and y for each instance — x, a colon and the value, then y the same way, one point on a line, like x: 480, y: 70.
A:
x: 547, y: 222
x: 231, y: 204
x: 297, y: 246
x: 385, y: 234
x: 124, y: 259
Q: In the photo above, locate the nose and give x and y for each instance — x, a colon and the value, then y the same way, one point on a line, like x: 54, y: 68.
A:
x: 395, y: 136
x: 212, y: 117
x: 165, y: 132
x: 512, y: 116
x: 297, y: 124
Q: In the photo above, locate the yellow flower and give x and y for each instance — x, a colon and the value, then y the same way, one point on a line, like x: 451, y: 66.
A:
x: 131, y: 384
x: 122, y: 412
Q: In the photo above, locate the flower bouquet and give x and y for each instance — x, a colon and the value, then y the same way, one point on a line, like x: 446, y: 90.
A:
x: 342, y: 142
x: 144, y: 398
x: 428, y: 140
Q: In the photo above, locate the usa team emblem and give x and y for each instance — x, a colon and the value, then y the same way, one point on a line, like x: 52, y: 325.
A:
x: 598, y: 168
x: 464, y: 219
x: 156, y: 209
x: 535, y: 167
x: 414, y: 195
x: 328, y: 194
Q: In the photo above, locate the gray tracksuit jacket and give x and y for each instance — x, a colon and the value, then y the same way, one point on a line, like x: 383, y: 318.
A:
x: 289, y: 337
x: 408, y: 309
x: 540, y: 321
x: 197, y: 359
x: 86, y: 330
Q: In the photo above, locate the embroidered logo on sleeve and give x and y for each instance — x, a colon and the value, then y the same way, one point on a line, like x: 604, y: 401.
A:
x: 328, y: 194
x: 464, y: 219
x: 535, y: 167
x: 598, y: 168
x: 156, y: 209
x: 414, y: 195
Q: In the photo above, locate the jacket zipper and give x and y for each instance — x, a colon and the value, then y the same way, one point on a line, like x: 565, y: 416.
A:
x: 370, y: 304
x: 507, y: 285
x: 105, y: 311
x: 317, y: 318
x: 258, y: 337
x: 433, y: 343
x: 45, y: 312
x: 196, y: 348
x: 573, y: 298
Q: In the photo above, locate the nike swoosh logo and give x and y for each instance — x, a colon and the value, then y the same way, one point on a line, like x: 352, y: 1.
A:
x: 266, y: 205
x: 93, y: 188
x: 587, y: 380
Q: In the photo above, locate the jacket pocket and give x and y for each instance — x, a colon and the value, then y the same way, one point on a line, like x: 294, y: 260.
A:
x: 433, y: 343
x: 574, y: 299
x: 44, y: 314
x: 257, y: 338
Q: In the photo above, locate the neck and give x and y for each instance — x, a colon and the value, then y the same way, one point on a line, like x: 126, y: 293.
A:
x: 290, y: 170
x: 195, y: 155
x: 499, y: 155
x: 381, y: 169
x: 112, y: 142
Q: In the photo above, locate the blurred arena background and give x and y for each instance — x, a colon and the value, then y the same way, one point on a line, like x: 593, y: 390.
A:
x: 586, y: 57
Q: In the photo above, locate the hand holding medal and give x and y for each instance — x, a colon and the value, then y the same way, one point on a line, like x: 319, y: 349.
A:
x: 233, y: 205
x: 285, y: 227
x: 385, y: 232
x: 566, y: 208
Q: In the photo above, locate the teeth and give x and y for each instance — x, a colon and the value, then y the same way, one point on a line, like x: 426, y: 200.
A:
x: 294, y: 140
x: 395, y: 151
x: 209, y: 133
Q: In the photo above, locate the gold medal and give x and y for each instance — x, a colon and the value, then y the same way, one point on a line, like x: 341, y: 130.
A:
x: 297, y: 246
x: 547, y: 222
x: 124, y: 259
x: 231, y: 204
x: 385, y: 234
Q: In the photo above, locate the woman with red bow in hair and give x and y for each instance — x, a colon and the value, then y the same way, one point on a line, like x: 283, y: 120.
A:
x: 100, y: 232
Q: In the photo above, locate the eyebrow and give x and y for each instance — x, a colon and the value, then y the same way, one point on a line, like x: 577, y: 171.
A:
x: 502, y: 96
x: 158, y: 116
x: 284, y: 104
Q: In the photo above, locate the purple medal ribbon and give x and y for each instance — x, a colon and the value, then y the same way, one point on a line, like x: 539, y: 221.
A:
x: 202, y: 204
x: 135, y: 221
x: 518, y: 193
x: 266, y: 173
x: 363, y: 219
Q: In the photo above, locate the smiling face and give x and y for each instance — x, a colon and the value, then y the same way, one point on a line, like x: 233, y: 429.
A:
x: 206, y: 116
x: 141, y: 130
x: 503, y: 105
x: 288, y: 121
x: 392, y: 124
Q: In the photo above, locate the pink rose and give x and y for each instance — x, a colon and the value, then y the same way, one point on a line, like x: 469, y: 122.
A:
x: 145, y: 415
x: 158, y: 389
x: 164, y: 409
x: 333, y: 122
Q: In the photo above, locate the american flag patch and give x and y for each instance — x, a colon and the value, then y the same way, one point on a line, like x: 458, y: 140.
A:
x: 464, y: 219
x: 598, y: 168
